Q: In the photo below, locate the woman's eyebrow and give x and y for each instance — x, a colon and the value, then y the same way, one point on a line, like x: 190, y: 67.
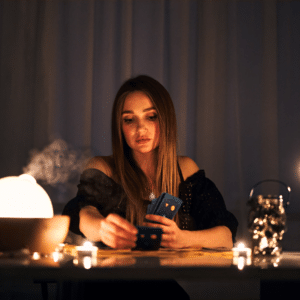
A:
x: 131, y: 112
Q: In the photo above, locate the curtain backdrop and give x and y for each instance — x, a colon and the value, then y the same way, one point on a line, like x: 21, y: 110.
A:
x: 231, y: 67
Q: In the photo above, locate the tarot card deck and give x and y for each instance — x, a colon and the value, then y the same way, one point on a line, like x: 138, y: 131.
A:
x: 165, y: 205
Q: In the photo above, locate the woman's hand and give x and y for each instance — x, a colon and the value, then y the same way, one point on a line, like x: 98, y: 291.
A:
x: 116, y: 232
x: 113, y: 230
x: 172, y: 236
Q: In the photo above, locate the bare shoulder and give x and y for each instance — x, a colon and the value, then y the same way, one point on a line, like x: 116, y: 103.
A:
x: 188, y: 166
x: 102, y: 163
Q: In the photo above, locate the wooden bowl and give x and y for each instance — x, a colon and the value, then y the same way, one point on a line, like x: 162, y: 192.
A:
x: 37, y: 235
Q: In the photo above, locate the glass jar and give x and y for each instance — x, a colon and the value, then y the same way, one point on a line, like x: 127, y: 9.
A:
x: 267, y: 222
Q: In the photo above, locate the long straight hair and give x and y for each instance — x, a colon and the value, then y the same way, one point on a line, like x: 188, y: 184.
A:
x: 130, y: 176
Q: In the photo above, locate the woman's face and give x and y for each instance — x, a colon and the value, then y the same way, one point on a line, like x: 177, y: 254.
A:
x: 140, y: 124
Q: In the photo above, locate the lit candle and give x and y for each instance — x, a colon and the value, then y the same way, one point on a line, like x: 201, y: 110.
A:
x: 241, y: 256
x: 241, y: 250
x: 87, y: 250
x: 36, y: 256
x: 86, y: 255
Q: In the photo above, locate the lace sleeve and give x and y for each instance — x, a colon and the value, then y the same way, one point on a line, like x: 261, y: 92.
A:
x: 95, y: 189
x: 208, y: 207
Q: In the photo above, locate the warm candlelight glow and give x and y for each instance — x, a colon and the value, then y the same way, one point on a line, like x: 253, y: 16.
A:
x: 241, y: 256
x: 87, y: 262
x: 241, y: 249
x: 36, y: 256
x: 56, y: 256
x: 241, y: 263
x: 87, y: 249
x: 86, y: 255
x: 241, y: 246
x: 87, y: 245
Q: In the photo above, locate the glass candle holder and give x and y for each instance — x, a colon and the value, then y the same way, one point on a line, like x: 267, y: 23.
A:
x: 267, y: 223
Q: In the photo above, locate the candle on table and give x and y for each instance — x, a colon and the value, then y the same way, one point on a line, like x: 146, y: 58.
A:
x: 241, y: 256
x: 86, y: 255
x: 87, y: 250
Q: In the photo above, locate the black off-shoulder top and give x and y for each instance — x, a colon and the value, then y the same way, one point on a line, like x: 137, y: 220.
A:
x: 203, y: 205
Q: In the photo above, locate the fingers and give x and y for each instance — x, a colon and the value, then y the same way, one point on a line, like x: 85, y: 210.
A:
x: 119, y: 229
x: 116, y: 242
x: 171, y: 233
x: 117, y: 232
x: 122, y: 223
x: 159, y: 219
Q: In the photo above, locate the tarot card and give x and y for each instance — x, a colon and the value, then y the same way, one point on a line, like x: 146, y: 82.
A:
x: 154, y: 204
x: 151, y: 206
x: 167, y: 206
x: 149, y: 238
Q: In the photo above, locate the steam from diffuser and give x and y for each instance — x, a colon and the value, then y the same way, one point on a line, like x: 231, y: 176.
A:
x: 55, y: 164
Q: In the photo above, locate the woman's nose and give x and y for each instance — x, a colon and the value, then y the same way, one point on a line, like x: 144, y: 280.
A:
x: 141, y: 126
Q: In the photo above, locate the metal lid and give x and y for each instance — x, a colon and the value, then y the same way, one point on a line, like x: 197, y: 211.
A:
x: 275, y: 197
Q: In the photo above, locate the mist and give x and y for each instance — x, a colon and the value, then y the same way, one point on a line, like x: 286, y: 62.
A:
x: 57, y: 164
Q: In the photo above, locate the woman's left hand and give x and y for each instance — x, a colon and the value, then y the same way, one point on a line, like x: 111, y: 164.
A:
x: 172, y: 236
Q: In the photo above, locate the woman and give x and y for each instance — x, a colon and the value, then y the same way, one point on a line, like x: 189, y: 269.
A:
x: 114, y: 191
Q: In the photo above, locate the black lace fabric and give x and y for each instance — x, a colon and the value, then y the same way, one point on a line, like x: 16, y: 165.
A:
x: 99, y: 190
x: 203, y: 206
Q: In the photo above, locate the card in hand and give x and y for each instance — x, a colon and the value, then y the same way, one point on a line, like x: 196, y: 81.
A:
x: 149, y: 238
x: 165, y: 205
x: 154, y: 204
x: 168, y: 206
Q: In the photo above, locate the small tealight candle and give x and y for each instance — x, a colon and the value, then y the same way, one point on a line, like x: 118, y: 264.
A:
x: 87, y: 250
x: 86, y: 255
x: 241, y: 250
x: 241, y: 256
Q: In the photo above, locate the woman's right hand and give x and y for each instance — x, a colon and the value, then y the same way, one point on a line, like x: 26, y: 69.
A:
x: 116, y: 232
x: 113, y: 230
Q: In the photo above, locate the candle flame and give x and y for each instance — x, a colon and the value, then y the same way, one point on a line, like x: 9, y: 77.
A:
x: 87, y: 245
x: 241, y: 246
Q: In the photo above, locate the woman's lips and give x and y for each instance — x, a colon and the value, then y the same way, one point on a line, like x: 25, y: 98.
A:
x: 143, y: 141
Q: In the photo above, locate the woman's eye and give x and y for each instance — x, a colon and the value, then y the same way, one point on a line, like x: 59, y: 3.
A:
x: 153, y: 118
x: 127, y: 121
